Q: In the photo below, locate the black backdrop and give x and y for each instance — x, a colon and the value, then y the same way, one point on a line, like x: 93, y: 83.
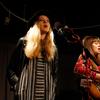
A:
x: 5, y: 53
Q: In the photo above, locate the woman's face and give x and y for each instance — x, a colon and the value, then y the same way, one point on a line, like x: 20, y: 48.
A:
x: 96, y: 46
x: 44, y: 24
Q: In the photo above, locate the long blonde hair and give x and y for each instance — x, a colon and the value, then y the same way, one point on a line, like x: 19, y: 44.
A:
x: 33, y: 44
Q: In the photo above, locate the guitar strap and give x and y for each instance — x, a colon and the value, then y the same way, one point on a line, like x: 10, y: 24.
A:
x: 94, y: 66
x: 86, y: 55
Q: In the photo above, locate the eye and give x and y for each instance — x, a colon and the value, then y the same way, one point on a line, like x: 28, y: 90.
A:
x: 95, y: 43
x: 43, y: 20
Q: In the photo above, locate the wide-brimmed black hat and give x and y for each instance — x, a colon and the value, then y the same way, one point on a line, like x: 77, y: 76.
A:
x: 36, y: 14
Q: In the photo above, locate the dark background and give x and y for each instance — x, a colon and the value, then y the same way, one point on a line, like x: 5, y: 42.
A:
x: 83, y: 17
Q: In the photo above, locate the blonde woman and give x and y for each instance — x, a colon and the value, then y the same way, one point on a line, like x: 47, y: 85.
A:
x: 32, y: 69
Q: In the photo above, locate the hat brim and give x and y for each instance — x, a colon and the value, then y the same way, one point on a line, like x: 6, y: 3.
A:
x: 35, y: 16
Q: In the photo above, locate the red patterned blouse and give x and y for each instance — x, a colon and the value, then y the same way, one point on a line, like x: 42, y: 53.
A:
x: 86, y: 67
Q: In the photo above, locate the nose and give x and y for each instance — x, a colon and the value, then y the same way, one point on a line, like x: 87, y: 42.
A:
x: 99, y: 45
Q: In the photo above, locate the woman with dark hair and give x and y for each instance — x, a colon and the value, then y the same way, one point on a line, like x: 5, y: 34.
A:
x: 88, y: 68
x: 33, y: 66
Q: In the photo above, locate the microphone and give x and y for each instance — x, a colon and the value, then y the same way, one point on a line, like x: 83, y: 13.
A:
x: 60, y: 30
x: 66, y: 27
x: 63, y: 29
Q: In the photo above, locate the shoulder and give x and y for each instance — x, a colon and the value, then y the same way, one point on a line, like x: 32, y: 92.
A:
x: 21, y: 42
